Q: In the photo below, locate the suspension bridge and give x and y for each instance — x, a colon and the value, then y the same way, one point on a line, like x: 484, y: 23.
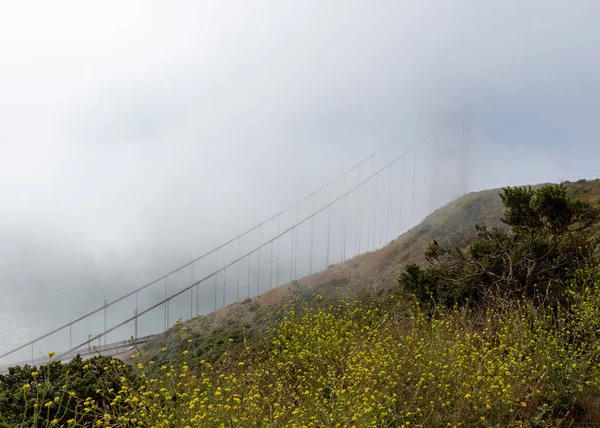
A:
x: 358, y: 211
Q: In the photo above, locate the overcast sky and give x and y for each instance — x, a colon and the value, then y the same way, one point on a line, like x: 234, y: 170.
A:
x: 136, y: 134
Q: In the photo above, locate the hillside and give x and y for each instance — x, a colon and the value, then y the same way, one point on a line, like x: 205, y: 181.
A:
x: 370, y: 274
x: 349, y: 346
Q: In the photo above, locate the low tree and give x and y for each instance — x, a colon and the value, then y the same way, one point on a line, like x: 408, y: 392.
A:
x: 548, y: 238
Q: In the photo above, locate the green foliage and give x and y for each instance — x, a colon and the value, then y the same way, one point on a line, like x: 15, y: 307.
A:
x: 31, y: 396
x: 547, y: 240
x: 434, y: 286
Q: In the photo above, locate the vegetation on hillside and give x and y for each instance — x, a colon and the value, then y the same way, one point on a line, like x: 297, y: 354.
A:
x: 548, y: 239
x: 477, y: 339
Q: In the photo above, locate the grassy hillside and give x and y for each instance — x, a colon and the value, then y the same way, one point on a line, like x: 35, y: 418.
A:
x: 371, y: 274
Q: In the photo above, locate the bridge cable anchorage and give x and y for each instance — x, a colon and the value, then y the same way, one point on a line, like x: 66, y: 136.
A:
x: 167, y: 299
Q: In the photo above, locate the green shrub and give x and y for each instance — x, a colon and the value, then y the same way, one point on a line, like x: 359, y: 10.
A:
x: 31, y: 396
x: 548, y: 239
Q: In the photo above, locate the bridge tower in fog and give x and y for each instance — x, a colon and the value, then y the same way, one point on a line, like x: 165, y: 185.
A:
x: 449, y: 159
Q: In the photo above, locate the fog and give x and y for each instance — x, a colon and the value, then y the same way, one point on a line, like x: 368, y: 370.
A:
x: 136, y: 135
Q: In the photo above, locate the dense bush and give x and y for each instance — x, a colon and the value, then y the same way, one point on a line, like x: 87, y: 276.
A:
x: 31, y: 396
x: 547, y: 241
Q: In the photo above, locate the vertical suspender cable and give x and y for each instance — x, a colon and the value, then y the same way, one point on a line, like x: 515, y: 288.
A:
x: 368, y: 214
x: 259, y: 248
x: 412, y: 207
x: 312, y: 228
x: 216, y: 275
x: 105, y: 305
x: 191, y: 292
x: 356, y: 243
x: 345, y: 223
x: 425, y: 185
x: 292, y: 255
x: 136, y: 318
x: 401, y: 196
x: 360, y: 223
x: 238, y: 271
x: 197, y: 299
x: 328, y: 230
x: 375, y: 212
x: 389, y: 213
x: 166, y: 314
x: 345, y: 219
x: 278, y: 249
x: 224, y: 285
x: 342, y: 237
x: 369, y: 206
x: 248, y: 285
x: 271, y: 268
x: 296, y: 245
